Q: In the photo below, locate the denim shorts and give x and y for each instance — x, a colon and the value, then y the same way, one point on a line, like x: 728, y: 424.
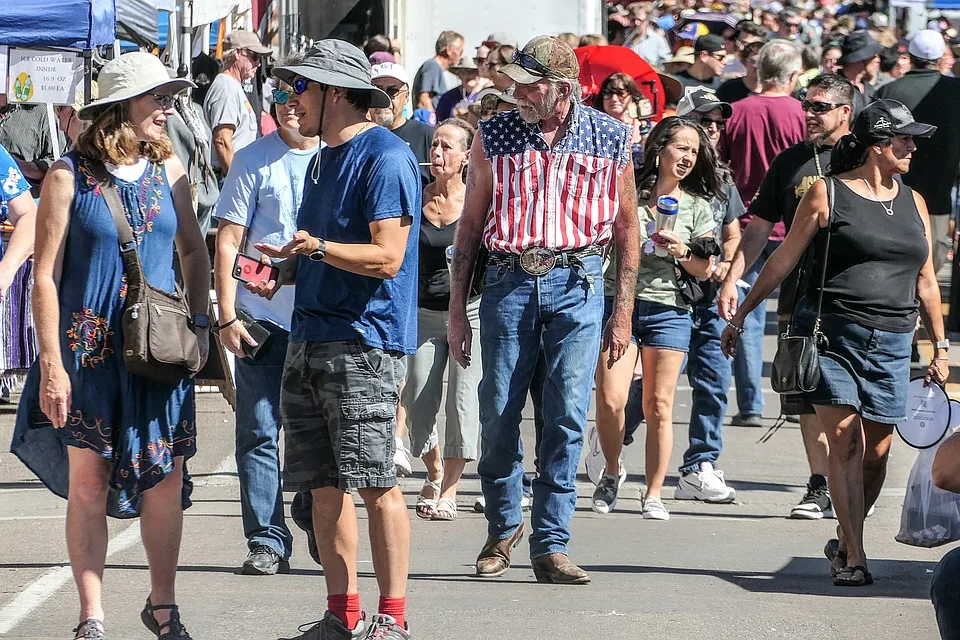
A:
x: 867, y: 369
x: 338, y: 407
x: 656, y: 325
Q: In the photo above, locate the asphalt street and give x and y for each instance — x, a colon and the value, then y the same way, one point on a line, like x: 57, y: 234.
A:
x: 742, y: 571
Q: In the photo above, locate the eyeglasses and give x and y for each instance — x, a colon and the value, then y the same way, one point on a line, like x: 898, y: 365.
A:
x: 707, y: 123
x: 620, y: 93
x: 819, y: 107
x: 530, y: 63
x: 300, y: 85
x: 280, y: 96
x: 480, y: 61
x: 719, y: 56
x: 166, y: 101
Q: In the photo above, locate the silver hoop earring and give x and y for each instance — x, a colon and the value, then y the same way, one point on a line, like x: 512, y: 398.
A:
x: 656, y: 162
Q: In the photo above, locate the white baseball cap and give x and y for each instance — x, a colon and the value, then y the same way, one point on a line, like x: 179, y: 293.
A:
x: 927, y: 45
x: 389, y: 70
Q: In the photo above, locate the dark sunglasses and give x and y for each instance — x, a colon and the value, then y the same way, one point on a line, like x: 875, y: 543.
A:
x: 620, y: 93
x: 528, y: 62
x: 719, y: 124
x: 300, y: 85
x: 819, y: 107
x: 280, y: 96
x: 165, y: 101
x: 393, y: 91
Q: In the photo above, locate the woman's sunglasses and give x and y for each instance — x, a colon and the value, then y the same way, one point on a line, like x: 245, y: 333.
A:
x: 166, y: 100
x: 620, y: 93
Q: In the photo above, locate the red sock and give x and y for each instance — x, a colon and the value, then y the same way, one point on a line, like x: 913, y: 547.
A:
x: 396, y: 608
x: 345, y: 606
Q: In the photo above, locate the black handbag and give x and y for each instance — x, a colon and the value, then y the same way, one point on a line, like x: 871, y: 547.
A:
x: 693, y: 290
x: 796, y: 366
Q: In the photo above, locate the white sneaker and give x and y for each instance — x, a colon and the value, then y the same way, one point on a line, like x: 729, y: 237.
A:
x: 653, y: 509
x: 401, y: 458
x: 872, y: 510
x: 594, y: 460
x: 706, y: 485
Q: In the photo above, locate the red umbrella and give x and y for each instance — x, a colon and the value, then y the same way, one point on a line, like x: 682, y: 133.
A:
x: 598, y: 62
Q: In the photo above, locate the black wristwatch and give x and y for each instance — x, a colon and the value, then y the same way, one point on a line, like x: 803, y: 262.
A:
x: 200, y: 321
x: 318, y: 254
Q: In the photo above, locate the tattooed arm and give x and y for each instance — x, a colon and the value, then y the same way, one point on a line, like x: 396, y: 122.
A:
x: 626, y: 236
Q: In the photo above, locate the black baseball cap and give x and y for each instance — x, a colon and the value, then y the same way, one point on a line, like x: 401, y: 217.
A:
x: 702, y: 100
x: 884, y: 119
x: 710, y: 43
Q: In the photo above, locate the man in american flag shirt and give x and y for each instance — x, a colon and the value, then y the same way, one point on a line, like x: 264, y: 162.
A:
x: 550, y: 185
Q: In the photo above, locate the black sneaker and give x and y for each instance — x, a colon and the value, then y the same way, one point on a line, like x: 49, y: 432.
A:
x: 264, y: 561
x: 816, y: 502
x: 747, y: 420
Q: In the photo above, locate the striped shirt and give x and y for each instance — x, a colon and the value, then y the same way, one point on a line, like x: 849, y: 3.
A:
x: 561, y: 198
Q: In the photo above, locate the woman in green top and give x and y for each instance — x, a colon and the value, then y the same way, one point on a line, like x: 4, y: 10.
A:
x: 679, y: 161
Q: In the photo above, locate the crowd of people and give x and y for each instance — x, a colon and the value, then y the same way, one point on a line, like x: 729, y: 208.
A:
x: 483, y: 223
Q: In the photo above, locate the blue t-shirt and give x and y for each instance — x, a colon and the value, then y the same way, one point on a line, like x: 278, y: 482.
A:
x: 374, y: 176
x: 12, y: 185
x: 263, y: 191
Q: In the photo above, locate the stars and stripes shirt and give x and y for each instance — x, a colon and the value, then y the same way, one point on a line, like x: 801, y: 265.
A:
x: 561, y: 198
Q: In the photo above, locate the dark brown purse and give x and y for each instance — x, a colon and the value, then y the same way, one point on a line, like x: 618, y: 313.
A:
x: 796, y: 366
x: 158, y: 341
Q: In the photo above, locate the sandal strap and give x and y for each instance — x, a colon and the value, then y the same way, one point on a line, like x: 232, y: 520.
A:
x: 91, y: 628
x: 432, y: 484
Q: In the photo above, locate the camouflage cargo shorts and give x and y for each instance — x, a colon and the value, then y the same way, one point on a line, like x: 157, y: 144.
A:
x: 338, y: 407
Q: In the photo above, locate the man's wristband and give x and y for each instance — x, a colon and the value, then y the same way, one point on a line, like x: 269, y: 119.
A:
x: 217, y: 328
x: 738, y: 329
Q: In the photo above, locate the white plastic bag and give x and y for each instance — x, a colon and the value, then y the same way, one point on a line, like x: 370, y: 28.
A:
x: 931, y: 516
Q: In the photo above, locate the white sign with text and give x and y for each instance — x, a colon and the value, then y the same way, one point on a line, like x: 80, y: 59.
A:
x: 44, y: 76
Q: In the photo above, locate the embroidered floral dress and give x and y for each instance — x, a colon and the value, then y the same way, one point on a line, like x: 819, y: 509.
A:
x: 139, y: 425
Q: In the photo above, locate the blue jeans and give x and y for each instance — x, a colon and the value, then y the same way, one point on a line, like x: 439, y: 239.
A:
x: 748, y: 363
x: 945, y: 594
x: 709, y: 373
x: 558, y: 314
x: 258, y: 452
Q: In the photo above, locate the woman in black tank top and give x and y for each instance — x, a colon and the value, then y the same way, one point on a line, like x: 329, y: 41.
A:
x: 877, y: 277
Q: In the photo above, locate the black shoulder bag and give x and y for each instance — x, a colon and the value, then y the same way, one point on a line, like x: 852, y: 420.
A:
x: 158, y: 341
x: 796, y: 367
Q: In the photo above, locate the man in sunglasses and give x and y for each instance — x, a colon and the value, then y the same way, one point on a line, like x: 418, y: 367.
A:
x: 550, y: 185
x: 393, y: 80
x: 828, y: 109
x: 710, y: 55
x: 354, y: 319
x: 226, y: 106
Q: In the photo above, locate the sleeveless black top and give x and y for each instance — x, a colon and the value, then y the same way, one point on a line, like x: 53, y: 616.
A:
x: 874, y: 261
x: 434, y: 280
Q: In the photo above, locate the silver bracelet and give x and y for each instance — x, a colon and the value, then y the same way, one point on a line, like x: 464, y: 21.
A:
x: 739, y: 330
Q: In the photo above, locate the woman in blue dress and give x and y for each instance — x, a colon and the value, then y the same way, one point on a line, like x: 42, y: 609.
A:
x: 111, y: 442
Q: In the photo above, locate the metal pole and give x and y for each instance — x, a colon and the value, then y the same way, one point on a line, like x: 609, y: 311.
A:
x: 186, y: 44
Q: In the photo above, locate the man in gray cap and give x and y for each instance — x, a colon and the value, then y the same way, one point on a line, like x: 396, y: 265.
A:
x: 549, y: 185
x: 354, y: 319
x: 229, y: 113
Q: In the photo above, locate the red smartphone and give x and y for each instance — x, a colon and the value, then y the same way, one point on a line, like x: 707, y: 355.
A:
x: 250, y: 269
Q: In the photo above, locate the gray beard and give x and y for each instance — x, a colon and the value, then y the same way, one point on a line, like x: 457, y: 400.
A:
x: 384, y: 117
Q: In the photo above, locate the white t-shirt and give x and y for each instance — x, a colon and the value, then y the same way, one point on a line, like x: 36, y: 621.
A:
x: 263, y: 192
x: 227, y: 104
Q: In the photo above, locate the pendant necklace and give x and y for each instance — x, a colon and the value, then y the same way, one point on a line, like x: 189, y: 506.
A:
x: 888, y: 208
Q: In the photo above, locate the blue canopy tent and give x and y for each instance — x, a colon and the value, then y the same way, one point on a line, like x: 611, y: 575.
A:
x: 67, y: 24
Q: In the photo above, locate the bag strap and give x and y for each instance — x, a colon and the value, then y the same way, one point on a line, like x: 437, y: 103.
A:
x: 831, y: 193
x: 128, y: 243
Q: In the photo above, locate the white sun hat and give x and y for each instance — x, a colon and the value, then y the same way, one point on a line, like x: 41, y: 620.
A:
x: 131, y: 75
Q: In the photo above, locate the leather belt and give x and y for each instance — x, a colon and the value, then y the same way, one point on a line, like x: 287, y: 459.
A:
x: 539, y: 261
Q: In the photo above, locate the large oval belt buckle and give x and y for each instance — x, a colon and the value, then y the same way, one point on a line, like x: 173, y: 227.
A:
x: 538, y: 261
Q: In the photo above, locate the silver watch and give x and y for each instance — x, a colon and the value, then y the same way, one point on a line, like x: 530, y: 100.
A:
x: 943, y: 344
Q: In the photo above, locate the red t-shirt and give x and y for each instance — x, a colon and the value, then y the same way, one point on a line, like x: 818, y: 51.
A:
x: 759, y: 129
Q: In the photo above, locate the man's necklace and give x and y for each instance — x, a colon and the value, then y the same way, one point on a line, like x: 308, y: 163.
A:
x: 887, y: 208
x: 816, y: 160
